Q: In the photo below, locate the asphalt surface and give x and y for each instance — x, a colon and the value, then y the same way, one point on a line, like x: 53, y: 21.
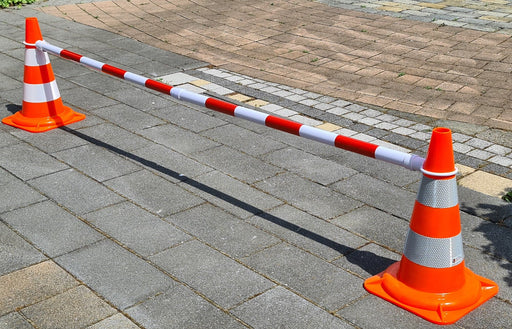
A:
x: 153, y: 213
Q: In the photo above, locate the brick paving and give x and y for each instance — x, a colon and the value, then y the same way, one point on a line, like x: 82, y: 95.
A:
x: 411, y: 66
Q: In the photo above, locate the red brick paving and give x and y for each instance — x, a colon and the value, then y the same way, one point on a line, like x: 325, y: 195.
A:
x: 423, y: 68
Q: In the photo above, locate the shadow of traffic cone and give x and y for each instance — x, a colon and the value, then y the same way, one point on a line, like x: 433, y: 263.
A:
x: 431, y: 279
x: 42, y: 107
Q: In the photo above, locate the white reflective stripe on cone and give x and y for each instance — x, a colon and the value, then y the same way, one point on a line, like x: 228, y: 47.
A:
x: 434, y: 252
x: 438, y: 193
x: 36, y: 57
x: 40, y: 93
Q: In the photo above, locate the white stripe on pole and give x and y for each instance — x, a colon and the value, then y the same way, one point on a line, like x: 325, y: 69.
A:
x: 409, y: 161
x: 45, y: 46
x: 317, y: 134
x: 40, y: 93
x: 36, y: 57
x: 188, y: 96
x: 251, y: 115
x: 138, y: 79
x: 91, y: 63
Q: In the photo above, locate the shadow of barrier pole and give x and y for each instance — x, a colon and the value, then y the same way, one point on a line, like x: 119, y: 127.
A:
x: 430, y: 280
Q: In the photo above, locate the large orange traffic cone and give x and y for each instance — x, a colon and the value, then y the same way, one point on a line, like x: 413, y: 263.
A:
x: 42, y: 107
x: 431, y: 279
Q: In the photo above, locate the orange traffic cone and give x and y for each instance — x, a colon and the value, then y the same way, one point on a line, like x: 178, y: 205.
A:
x: 431, y: 279
x: 42, y: 107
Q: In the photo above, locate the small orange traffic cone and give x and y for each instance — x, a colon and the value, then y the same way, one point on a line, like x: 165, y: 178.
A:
x: 42, y: 107
x: 431, y: 279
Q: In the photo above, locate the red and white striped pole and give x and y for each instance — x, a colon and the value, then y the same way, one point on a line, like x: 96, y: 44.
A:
x: 409, y: 161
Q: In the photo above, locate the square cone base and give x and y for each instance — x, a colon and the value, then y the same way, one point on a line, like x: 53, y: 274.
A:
x: 439, y: 308
x: 42, y: 124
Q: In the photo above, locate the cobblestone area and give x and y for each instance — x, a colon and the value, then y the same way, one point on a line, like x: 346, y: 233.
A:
x: 489, y: 16
x: 440, y: 71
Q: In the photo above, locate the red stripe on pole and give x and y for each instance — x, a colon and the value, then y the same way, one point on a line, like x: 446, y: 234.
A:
x: 356, y: 146
x: 283, y: 125
x: 158, y: 86
x: 220, y: 106
x: 70, y: 55
x: 112, y: 70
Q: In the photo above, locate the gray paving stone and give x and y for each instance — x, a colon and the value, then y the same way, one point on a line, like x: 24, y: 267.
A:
x: 376, y: 225
x: 14, y: 321
x: 321, y: 282
x: 80, y: 97
x: 162, y: 160
x: 230, y: 194
x: 14, y: 193
x: 74, y: 191
x: 15, y: 252
x: 180, y: 308
x: 26, y: 162
x: 374, y: 312
x: 492, y: 314
x: 280, y: 308
x: 153, y: 192
x: 136, y: 228
x: 368, y: 260
x: 77, y: 307
x: 498, y: 270
x: 484, y: 206
x: 378, y: 194
x: 127, y: 117
x: 140, y: 99
x: 97, y: 162
x: 116, y: 321
x: 178, y: 139
x: 113, y: 136
x: 97, y: 81
x: 308, y: 196
x: 309, y: 166
x: 382, y: 171
x: 480, y: 154
x: 51, y: 141
x: 50, y: 228
x: 237, y: 164
x: 313, y: 234
x: 243, y: 140
x: 223, y: 231
x: 113, y: 272
x: 218, y: 277
x: 190, y: 118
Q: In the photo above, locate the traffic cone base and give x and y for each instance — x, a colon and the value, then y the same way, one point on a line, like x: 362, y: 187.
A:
x: 42, y: 107
x: 439, y: 308
x: 43, y: 123
x: 431, y: 280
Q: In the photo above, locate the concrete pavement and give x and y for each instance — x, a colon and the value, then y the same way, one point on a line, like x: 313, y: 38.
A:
x: 153, y: 213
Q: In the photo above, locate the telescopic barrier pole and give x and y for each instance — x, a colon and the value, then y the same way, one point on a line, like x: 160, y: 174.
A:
x: 406, y: 160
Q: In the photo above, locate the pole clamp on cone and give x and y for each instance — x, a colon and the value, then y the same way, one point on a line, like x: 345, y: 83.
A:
x: 42, y: 107
x: 431, y: 279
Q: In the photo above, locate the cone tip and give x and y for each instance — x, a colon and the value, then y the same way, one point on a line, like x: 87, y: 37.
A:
x: 440, y: 160
x: 32, y: 31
